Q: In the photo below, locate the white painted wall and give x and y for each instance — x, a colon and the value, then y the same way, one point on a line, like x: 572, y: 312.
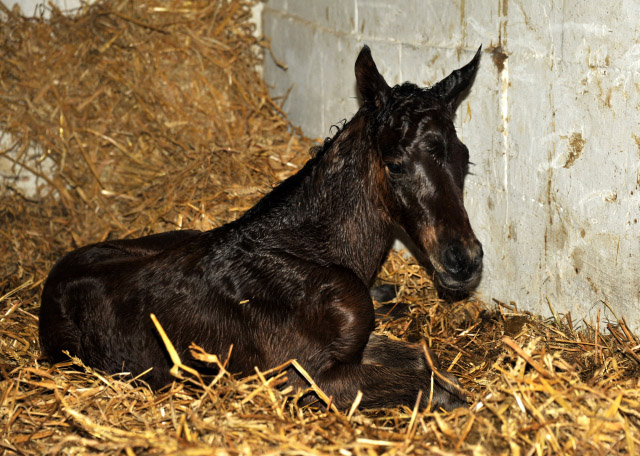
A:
x: 553, y: 128
x: 36, y: 7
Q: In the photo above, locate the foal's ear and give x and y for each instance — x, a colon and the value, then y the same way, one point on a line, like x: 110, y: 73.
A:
x: 371, y: 84
x: 457, y: 82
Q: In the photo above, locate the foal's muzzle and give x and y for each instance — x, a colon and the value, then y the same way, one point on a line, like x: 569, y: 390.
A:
x: 461, y: 265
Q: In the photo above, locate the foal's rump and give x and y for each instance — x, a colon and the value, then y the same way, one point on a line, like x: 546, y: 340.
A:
x: 94, y: 298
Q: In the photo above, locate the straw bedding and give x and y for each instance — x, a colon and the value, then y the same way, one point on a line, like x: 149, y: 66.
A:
x: 156, y: 119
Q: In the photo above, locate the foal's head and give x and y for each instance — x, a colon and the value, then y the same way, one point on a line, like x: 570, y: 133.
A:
x: 425, y: 166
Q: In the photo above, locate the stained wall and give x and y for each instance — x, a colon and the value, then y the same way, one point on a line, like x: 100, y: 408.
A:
x: 552, y: 124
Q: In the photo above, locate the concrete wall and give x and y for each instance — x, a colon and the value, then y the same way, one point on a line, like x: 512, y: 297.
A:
x: 36, y: 7
x: 552, y: 124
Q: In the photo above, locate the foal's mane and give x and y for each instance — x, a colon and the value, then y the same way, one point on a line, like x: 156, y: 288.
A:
x: 321, y: 149
x: 321, y: 163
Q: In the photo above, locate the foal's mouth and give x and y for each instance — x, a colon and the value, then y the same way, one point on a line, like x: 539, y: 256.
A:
x: 457, y: 262
x: 451, y: 284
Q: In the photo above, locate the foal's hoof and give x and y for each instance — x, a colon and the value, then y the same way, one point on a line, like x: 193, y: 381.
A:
x: 447, y: 396
x: 392, y: 311
x: 383, y: 293
x: 389, y: 311
x: 448, y: 403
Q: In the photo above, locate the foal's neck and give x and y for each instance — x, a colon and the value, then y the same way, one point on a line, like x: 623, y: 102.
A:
x: 332, y: 211
x: 351, y: 185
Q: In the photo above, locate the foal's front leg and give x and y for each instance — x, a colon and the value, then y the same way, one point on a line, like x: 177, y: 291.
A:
x: 383, y: 351
x: 388, y: 373
x: 384, y: 386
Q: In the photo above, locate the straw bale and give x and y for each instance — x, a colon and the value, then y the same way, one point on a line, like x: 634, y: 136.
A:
x: 156, y: 119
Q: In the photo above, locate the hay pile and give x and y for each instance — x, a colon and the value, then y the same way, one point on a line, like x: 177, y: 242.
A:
x: 156, y: 119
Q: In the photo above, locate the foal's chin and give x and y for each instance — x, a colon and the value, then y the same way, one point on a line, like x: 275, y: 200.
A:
x: 458, y: 286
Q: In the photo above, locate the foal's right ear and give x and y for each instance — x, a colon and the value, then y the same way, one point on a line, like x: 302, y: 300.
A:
x: 370, y: 82
x: 457, y: 82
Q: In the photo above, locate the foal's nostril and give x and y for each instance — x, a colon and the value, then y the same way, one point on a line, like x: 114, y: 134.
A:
x: 462, y: 263
x: 477, y: 258
x: 454, y: 258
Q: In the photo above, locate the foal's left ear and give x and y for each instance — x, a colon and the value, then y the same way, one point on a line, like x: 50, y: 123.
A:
x: 457, y: 82
x: 370, y: 82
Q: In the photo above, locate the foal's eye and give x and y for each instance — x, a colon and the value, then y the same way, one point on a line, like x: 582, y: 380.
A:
x: 438, y: 151
x: 395, y: 168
